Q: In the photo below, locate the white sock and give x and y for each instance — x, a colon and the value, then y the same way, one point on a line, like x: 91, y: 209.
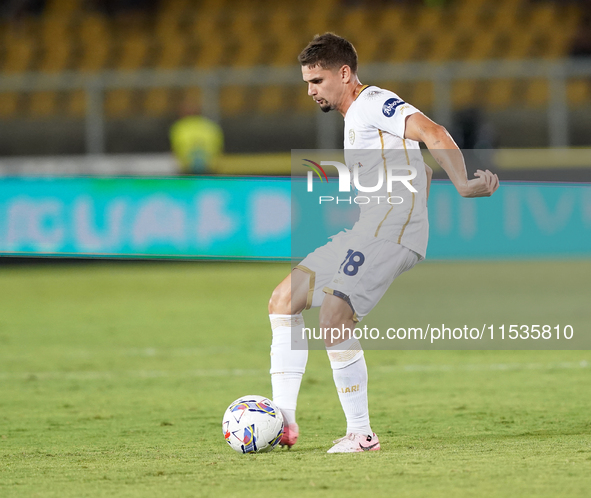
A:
x: 289, y: 355
x: 350, y: 377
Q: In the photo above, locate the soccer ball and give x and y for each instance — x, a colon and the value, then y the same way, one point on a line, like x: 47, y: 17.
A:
x: 252, y: 424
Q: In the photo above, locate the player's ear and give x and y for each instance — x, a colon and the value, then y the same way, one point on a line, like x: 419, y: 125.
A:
x: 345, y: 74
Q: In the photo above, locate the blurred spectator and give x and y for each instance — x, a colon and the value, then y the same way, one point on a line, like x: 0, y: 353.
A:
x: 196, y: 141
x: 582, y: 43
x: 581, y: 46
x: 385, y: 3
x: 114, y: 7
x: 16, y: 9
x: 470, y: 131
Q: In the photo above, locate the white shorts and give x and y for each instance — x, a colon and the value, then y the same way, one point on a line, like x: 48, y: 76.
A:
x: 356, y: 268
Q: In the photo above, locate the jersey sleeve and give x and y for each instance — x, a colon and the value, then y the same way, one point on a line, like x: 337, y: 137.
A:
x: 385, y: 110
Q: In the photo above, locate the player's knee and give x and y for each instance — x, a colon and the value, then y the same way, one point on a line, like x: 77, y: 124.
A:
x: 334, y: 312
x: 331, y: 318
x: 280, y: 302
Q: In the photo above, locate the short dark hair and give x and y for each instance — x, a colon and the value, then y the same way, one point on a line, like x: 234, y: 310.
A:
x: 329, y: 51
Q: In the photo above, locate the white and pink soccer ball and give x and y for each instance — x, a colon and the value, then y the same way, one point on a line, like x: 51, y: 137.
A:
x: 252, y: 424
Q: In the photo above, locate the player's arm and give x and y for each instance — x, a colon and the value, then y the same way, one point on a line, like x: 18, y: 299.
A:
x: 447, y: 154
x: 429, y: 173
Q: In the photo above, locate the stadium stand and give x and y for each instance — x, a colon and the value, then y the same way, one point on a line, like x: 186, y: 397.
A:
x: 69, y: 35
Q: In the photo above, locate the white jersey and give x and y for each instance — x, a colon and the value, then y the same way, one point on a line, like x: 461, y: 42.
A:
x: 374, y: 140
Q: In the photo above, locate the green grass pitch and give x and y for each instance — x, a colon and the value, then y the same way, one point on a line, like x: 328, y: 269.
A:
x: 114, y: 379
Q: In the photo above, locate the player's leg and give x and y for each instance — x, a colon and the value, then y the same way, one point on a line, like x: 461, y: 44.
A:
x: 349, y: 372
x: 289, y: 348
x: 302, y: 289
x: 361, y: 283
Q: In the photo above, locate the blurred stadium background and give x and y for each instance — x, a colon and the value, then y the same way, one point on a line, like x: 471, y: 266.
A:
x: 91, y: 88
x: 114, y: 376
x: 109, y: 76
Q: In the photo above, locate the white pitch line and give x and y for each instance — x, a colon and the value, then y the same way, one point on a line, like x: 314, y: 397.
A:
x: 149, y: 374
x: 112, y: 374
x: 485, y: 367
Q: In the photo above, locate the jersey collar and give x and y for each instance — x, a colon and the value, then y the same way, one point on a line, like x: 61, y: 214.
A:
x: 360, y: 91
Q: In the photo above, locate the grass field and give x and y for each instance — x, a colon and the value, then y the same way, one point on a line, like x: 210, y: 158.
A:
x: 114, y: 379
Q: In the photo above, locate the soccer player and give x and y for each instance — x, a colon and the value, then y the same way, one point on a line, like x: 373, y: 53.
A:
x: 347, y: 277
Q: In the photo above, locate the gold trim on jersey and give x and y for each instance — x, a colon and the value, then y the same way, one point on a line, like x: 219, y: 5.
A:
x: 413, y: 197
x: 385, y: 176
x: 383, y: 155
x: 312, y: 284
x: 406, y: 153
x: 362, y: 88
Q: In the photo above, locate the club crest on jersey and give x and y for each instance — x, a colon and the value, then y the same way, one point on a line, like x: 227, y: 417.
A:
x: 389, y: 107
x: 373, y: 94
x: 351, y: 136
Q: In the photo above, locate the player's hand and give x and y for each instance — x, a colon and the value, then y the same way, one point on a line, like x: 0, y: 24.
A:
x: 484, y: 185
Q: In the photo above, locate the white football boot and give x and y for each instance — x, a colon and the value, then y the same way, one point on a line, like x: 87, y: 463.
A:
x: 355, y: 443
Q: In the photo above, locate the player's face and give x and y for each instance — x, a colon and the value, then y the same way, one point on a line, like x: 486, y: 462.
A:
x: 325, y: 86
